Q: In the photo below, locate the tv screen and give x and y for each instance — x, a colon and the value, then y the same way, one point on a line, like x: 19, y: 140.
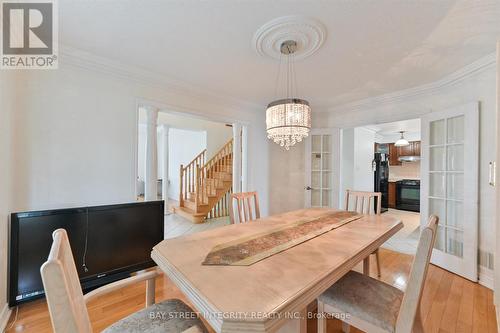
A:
x: 108, y: 243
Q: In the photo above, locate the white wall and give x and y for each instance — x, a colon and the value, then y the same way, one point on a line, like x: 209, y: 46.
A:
x: 74, y: 134
x: 218, y: 133
x: 184, y: 145
x: 479, y: 85
x: 286, y: 177
x: 364, y: 142
x: 8, y: 96
x: 357, y: 156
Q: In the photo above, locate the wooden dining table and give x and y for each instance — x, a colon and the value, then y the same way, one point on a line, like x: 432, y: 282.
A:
x: 272, y: 294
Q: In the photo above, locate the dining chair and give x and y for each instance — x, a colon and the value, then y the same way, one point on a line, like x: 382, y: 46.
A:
x: 361, y: 202
x: 68, y: 306
x: 244, y: 204
x: 376, y: 307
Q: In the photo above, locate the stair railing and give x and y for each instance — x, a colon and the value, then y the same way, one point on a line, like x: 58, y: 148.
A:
x: 207, y: 172
x: 188, y: 176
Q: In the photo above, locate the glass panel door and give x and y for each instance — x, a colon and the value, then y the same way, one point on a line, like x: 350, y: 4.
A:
x: 320, y: 170
x: 447, y: 140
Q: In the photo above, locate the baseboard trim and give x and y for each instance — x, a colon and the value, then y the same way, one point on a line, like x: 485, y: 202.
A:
x: 486, y: 278
x: 4, y: 317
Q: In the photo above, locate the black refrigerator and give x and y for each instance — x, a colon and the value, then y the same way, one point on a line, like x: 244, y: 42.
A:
x: 381, y: 179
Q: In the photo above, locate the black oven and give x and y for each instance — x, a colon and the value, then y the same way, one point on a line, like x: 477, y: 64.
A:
x: 408, y: 195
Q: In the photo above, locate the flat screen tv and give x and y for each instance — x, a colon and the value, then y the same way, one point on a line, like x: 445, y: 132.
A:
x: 108, y: 243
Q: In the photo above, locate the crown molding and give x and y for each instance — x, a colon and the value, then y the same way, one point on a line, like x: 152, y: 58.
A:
x: 78, y: 58
x: 458, y: 76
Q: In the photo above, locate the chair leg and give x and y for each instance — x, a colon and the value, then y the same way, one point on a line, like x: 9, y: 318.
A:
x: 321, y: 317
x: 345, y: 327
x: 377, y: 257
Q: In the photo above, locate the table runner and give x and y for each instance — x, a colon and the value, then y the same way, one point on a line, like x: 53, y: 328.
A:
x: 249, y: 250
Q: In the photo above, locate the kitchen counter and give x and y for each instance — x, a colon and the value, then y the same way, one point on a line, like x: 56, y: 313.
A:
x: 395, y: 179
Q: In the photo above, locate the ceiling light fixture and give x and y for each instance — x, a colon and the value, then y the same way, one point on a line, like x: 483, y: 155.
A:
x: 288, y: 120
x: 402, y: 141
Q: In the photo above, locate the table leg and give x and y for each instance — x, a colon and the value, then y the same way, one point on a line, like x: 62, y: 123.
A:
x: 366, y: 266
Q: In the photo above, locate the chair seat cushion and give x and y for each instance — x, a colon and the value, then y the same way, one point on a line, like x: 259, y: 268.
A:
x: 366, y: 298
x: 172, y: 316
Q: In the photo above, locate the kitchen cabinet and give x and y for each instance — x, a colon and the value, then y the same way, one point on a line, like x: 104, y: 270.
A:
x: 392, y: 195
x: 406, y: 150
x: 393, y: 155
x: 413, y: 149
x: 416, y: 148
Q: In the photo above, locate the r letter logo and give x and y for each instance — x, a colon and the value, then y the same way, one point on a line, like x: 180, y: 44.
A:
x: 29, y: 35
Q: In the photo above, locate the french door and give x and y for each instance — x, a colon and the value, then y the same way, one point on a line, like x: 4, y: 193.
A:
x: 449, y: 190
x: 322, y: 165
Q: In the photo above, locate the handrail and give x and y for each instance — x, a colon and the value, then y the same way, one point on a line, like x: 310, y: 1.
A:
x: 219, y: 162
x: 202, y: 179
x: 188, y: 176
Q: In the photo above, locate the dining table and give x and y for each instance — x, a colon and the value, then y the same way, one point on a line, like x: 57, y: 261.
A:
x: 269, y: 291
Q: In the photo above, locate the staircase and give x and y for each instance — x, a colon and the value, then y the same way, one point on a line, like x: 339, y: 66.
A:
x: 205, y: 187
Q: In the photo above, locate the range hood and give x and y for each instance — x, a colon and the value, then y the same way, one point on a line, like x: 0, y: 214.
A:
x: 409, y: 158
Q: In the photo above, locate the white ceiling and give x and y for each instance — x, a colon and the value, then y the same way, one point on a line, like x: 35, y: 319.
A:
x: 371, y: 48
x: 389, y: 132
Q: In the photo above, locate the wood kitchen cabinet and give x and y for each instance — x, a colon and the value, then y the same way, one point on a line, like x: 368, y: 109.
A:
x: 392, y: 195
x: 413, y: 149
x: 416, y: 148
x: 393, y: 155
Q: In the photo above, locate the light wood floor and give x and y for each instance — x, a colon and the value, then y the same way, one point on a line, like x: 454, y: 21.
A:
x: 450, y: 303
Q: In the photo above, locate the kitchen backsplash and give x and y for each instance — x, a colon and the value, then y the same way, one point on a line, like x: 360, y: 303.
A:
x: 408, y: 170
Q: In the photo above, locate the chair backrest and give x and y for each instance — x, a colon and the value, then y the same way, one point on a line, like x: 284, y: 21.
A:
x: 244, y: 204
x: 413, y: 294
x: 360, y: 201
x: 67, y: 308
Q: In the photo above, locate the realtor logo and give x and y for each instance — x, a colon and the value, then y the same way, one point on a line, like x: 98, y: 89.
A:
x: 29, y: 34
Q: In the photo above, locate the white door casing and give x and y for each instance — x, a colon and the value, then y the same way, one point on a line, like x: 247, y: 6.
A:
x: 322, y: 168
x: 449, y: 186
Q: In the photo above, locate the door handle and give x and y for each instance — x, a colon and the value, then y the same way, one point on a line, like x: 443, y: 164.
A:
x: 308, y: 188
x: 492, y: 173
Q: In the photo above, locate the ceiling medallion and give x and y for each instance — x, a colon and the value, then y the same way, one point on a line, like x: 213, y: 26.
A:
x: 288, y: 120
x: 309, y: 34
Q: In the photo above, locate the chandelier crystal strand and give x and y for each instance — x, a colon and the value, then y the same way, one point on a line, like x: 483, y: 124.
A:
x: 288, y: 120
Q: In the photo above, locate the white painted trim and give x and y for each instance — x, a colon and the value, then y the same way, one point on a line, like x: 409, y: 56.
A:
x: 458, y: 76
x: 86, y: 60
x: 4, y: 317
x: 486, y: 277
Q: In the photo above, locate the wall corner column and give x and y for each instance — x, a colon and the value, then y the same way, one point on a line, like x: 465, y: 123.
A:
x: 151, y: 178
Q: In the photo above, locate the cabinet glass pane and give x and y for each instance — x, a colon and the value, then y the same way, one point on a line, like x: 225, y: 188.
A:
x: 315, y: 198
x: 327, y: 143
x: 456, y: 129
x: 439, y: 244
x: 437, y: 207
x: 437, y: 159
x: 437, y: 132
x: 316, y: 161
x: 454, y: 242
x: 455, y: 186
x: 455, y: 155
x: 326, y: 198
x: 315, y: 179
x: 327, y: 180
x: 316, y: 143
x: 437, y: 185
x: 327, y: 161
x: 455, y: 214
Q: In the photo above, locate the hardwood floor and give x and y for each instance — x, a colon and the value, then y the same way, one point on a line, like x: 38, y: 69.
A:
x: 449, y: 304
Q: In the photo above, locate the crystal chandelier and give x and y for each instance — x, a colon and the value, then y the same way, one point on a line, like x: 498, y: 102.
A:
x: 288, y: 120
